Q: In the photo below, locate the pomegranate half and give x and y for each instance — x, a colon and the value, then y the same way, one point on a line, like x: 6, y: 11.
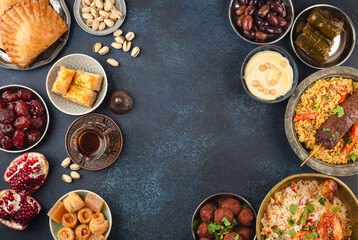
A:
x: 27, y: 173
x: 17, y: 211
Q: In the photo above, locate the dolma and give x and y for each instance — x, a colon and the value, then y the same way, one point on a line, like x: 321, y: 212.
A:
x: 313, y: 45
x: 318, y: 33
x: 327, y: 25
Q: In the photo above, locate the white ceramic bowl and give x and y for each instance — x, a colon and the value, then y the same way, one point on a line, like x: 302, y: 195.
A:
x: 120, y: 4
x: 76, y: 62
x: 55, y: 227
x: 47, y: 116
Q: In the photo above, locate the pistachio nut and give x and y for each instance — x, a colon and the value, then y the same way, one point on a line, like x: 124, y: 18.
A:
x: 109, y: 22
x: 66, y: 178
x: 130, y: 36
x: 111, y: 16
x: 104, y: 50
x: 66, y: 162
x: 120, y: 39
x: 116, y: 45
x: 89, y: 23
x: 94, y: 13
x: 112, y: 62
x: 97, y: 47
x: 108, y: 6
x: 101, y: 26
x: 75, y: 167
x: 112, y: 1
x: 135, y: 52
x: 87, y: 16
x: 117, y: 13
x: 104, y: 14
x: 99, y: 4
x: 100, y: 19
x: 95, y: 25
x: 127, y: 46
x: 117, y: 33
x: 93, y: 4
x: 86, y: 10
x: 75, y: 175
x: 86, y: 3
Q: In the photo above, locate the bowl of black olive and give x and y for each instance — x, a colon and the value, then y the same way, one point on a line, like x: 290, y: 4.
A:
x: 224, y: 216
x: 261, y: 21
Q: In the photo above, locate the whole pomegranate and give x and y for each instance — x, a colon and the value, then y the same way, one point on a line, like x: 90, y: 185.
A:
x: 27, y: 173
x: 17, y: 211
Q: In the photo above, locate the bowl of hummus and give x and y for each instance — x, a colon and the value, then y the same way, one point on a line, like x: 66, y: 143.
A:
x: 269, y: 74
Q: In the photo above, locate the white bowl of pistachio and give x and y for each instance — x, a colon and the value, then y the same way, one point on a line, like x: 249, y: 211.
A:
x: 99, y: 17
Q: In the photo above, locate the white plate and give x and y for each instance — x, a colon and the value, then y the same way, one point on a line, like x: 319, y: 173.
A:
x: 120, y: 4
x: 76, y: 62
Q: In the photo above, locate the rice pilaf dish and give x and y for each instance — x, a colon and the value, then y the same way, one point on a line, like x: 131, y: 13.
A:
x: 284, y: 217
x: 320, y: 99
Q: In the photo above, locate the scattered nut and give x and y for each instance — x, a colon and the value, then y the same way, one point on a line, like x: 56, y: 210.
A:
x: 97, y: 47
x: 117, y: 33
x: 135, y: 52
x: 112, y: 62
x: 75, y: 167
x: 127, y: 46
x: 130, y: 36
x: 75, y: 175
x: 66, y: 178
x: 120, y: 39
x: 116, y: 45
x: 66, y: 162
x: 104, y: 50
x: 109, y: 22
x: 87, y: 16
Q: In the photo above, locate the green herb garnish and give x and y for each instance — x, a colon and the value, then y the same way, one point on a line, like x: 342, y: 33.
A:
x: 334, y: 209
x: 226, y: 222
x: 321, y: 200
x: 304, y: 216
x: 352, y: 157
x: 309, y: 206
x: 292, y: 232
x: 276, y: 230
x: 245, y: 206
x: 293, y: 209
x: 291, y: 222
x: 339, y: 111
x: 195, y: 224
x: 335, y: 134
x: 315, y: 106
x: 326, y: 129
x: 312, y: 236
x: 326, y: 97
x: 236, y: 237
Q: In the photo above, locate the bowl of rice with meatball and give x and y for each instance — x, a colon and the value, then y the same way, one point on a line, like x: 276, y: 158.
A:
x: 308, y: 206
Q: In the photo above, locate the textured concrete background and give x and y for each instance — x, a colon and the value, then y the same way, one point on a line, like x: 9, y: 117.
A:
x: 193, y: 130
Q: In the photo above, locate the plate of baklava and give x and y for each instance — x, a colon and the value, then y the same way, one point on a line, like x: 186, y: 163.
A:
x: 32, y: 32
x: 76, y: 84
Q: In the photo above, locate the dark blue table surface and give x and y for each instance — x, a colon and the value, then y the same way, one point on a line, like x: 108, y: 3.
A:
x: 193, y: 131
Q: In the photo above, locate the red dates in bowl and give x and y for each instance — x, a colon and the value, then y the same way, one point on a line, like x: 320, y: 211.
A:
x: 261, y: 21
x: 24, y: 118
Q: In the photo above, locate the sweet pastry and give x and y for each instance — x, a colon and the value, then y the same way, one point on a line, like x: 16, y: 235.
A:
x: 66, y: 234
x: 57, y: 211
x: 98, y: 224
x: 28, y: 28
x: 94, y: 237
x: 87, y: 80
x: 81, y: 96
x: 82, y: 232
x: 94, y: 202
x: 73, y: 202
x: 63, y: 81
x: 69, y: 220
x: 85, y: 215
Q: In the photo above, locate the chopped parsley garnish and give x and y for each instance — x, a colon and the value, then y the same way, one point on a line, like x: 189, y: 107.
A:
x: 315, y: 106
x: 245, y: 206
x: 292, y: 232
x: 339, y: 111
x: 346, y: 138
x: 266, y: 235
x: 330, y: 235
x: 326, y: 97
x: 195, y: 224
x: 236, y: 237
x: 334, y: 209
x: 226, y: 222
x: 276, y: 230
x: 352, y: 157
x: 312, y: 236
x: 335, y: 134
x: 321, y: 200
x: 293, y: 209
x: 291, y: 222
x: 309, y: 206
x: 326, y: 129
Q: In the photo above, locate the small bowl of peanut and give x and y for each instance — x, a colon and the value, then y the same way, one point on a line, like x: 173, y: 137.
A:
x: 99, y: 17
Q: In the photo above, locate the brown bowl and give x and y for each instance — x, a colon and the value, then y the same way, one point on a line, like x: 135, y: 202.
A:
x: 212, y: 198
x: 344, y: 193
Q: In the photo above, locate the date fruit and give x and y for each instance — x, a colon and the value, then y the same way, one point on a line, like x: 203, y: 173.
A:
x: 248, y: 21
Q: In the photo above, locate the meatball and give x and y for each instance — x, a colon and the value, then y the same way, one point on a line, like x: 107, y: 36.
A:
x: 221, y: 200
x: 232, y: 204
x: 231, y: 236
x: 246, y: 217
x: 207, y: 212
x: 203, y: 231
x: 220, y: 213
x: 246, y: 233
